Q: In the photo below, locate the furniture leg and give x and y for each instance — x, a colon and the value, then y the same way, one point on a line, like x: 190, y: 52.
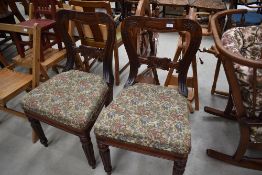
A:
x: 44, y: 73
x: 216, y: 77
x: 195, y: 80
x: 105, y: 156
x: 177, y: 54
x: 88, y: 149
x: 227, y: 113
x: 179, y: 166
x: 245, y: 162
x: 3, y: 61
x: 35, y: 137
x: 36, y: 125
x: 26, y: 6
x: 58, y: 39
x: 238, y: 158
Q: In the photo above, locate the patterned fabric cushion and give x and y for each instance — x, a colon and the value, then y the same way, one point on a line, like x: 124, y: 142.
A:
x: 70, y: 98
x: 247, y: 41
x: 148, y: 115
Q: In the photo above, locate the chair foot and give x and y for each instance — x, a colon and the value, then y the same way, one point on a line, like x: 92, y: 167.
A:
x: 105, y: 156
x: 36, y: 125
x: 246, y: 162
x: 179, y: 166
x: 88, y: 149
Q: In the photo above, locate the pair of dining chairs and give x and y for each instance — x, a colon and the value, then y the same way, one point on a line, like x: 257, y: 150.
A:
x: 73, y: 100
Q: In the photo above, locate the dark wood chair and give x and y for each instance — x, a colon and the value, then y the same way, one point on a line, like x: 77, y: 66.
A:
x: 239, y: 49
x: 95, y: 35
x: 13, y: 82
x: 145, y: 118
x: 72, y: 100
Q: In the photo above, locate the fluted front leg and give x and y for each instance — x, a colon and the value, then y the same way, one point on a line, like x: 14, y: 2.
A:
x: 35, y: 124
x: 88, y: 149
x: 179, y: 166
x: 105, y: 156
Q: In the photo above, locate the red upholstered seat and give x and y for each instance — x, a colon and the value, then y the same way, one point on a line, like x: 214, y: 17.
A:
x: 43, y: 23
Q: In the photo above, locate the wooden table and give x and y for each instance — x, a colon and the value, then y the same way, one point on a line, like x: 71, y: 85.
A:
x: 181, y: 3
x: 216, y: 5
x: 210, y: 5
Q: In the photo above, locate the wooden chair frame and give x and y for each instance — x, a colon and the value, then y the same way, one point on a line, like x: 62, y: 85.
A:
x: 63, y: 17
x: 212, y: 50
x: 50, y: 57
x: 154, y: 25
x: 235, y: 109
x: 90, y: 6
x: 192, y: 82
x: 13, y: 82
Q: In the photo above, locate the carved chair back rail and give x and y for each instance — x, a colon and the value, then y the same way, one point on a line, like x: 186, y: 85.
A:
x: 157, y: 25
x: 94, y: 35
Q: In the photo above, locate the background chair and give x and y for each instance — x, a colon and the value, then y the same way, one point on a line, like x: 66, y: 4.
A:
x: 239, y: 49
x: 46, y: 9
x: 50, y: 56
x: 143, y: 118
x: 192, y: 82
x: 72, y: 100
x: 12, y: 82
x: 253, y: 16
x: 95, y: 35
x: 7, y: 16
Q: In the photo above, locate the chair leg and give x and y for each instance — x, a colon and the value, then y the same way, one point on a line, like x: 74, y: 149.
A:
x: 36, y: 125
x: 213, y: 89
x: 105, y: 156
x: 88, y: 149
x: 179, y: 166
x: 238, y: 158
x: 116, y: 56
x: 57, y: 38
x: 243, y: 142
x: 195, y: 79
x: 227, y: 113
x: 44, y: 73
x: 3, y: 61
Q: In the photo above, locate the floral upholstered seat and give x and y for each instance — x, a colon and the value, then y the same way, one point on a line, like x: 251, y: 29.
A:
x: 247, y: 42
x: 70, y: 98
x: 148, y: 115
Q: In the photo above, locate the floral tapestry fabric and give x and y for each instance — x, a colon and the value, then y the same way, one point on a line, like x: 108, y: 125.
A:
x: 247, y: 42
x: 148, y: 115
x: 70, y: 98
